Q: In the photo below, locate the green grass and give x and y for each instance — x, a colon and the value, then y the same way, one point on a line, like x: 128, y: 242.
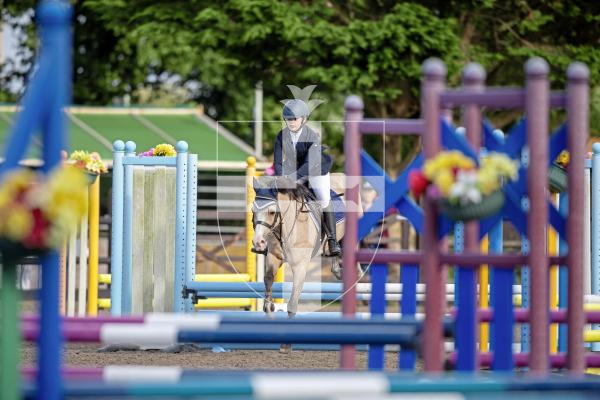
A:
x: 81, y: 140
x: 201, y: 139
x: 5, y: 127
x: 122, y: 127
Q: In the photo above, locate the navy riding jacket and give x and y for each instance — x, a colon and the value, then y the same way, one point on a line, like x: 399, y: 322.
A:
x: 307, y: 159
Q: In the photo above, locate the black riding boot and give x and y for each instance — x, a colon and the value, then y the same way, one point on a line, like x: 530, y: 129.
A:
x: 329, y: 225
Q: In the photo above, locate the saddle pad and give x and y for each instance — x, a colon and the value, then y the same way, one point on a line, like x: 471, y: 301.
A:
x: 338, y: 208
x: 265, y: 198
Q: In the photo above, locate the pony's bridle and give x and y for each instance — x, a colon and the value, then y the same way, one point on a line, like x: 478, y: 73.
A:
x: 274, y: 228
x: 271, y: 227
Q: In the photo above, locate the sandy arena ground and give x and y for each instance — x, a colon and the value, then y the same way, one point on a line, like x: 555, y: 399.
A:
x: 87, y: 355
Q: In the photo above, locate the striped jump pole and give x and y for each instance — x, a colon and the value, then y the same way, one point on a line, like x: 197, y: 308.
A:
x: 168, y: 329
x: 173, y: 381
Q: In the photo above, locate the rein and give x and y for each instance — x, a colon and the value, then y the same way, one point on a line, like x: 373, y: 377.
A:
x: 274, y: 227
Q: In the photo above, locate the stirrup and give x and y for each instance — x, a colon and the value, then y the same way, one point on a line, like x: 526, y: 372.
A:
x: 338, y: 248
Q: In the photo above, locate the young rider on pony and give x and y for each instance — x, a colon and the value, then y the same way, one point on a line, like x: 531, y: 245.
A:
x: 300, y: 158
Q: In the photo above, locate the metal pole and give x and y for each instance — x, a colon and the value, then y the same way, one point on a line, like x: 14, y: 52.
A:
x: 352, y: 145
x: 10, y: 343
x: 127, y: 283
x: 473, y: 81
x: 578, y: 122
x: 94, y: 218
x: 595, y: 211
x: 537, y: 111
x: 55, y: 19
x: 434, y: 75
x: 116, y: 254
x: 179, y: 302
x: 258, y: 120
x: 250, y: 196
x: 191, y: 223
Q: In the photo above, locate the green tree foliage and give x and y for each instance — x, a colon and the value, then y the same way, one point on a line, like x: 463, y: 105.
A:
x: 102, y: 63
x: 373, y: 48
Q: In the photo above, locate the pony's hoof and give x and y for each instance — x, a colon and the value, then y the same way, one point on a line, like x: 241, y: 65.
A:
x: 285, y: 349
x: 269, y: 307
x: 336, y: 268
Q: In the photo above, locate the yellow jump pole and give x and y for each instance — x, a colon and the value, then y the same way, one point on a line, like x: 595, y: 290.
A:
x: 223, y: 303
x: 250, y: 196
x: 222, y: 278
x: 552, y: 251
x: 591, y: 336
x: 94, y: 239
x: 484, y: 281
x: 202, y: 304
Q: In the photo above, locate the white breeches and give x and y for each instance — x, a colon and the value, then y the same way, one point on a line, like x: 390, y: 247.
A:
x: 321, y: 185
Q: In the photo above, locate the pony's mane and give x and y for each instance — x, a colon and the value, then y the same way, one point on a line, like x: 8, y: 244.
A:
x: 268, y: 189
x: 298, y: 193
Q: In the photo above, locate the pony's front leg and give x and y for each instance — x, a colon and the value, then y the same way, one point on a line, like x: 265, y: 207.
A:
x: 299, y: 272
x: 271, y: 267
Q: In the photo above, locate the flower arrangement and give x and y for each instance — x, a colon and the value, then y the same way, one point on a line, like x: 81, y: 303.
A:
x: 557, y: 174
x: 455, y: 180
x: 37, y: 213
x: 90, y: 162
x: 161, y: 150
x: 563, y: 159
